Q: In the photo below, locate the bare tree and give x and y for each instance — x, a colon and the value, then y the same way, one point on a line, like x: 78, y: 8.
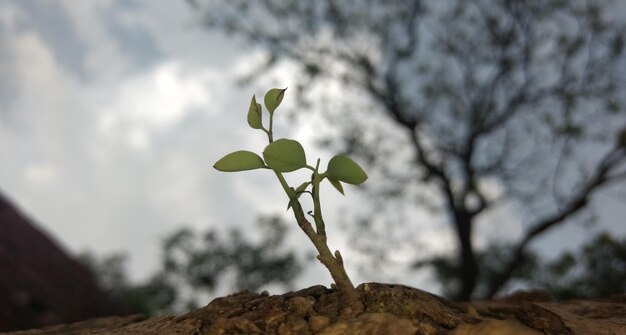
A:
x: 527, y: 95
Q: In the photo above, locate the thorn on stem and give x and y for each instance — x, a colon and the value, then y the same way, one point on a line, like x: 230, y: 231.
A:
x: 338, y: 256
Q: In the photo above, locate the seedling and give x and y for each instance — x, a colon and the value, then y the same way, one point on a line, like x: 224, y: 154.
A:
x: 286, y: 155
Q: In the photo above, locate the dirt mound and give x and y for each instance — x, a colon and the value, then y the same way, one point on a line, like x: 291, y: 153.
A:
x: 389, y: 309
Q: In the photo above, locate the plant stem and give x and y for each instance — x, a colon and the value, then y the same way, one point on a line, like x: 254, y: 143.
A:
x: 290, y: 193
x: 317, y: 207
x: 334, y: 263
x: 270, y: 131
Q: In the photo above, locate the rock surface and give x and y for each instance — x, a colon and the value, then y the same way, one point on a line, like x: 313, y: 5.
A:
x: 389, y: 309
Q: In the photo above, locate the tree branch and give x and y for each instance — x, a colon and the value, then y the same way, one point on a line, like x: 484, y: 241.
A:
x: 576, y: 203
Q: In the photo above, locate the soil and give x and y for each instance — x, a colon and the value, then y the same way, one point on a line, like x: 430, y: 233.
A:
x: 389, y: 309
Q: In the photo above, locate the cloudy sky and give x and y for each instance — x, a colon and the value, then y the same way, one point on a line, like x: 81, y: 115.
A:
x: 111, y: 115
x: 113, y: 111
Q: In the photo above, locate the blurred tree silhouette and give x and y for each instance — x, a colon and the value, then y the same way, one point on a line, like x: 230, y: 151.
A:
x: 596, y: 270
x: 195, y: 266
x: 462, y: 107
x: 153, y: 297
x: 202, y: 262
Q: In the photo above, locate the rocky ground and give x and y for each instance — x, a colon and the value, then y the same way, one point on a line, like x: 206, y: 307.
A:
x: 389, y: 309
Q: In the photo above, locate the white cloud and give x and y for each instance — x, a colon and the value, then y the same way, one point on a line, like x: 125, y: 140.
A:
x: 40, y: 174
x: 155, y: 100
x: 105, y: 58
x: 114, y: 159
x: 36, y: 71
x: 9, y: 15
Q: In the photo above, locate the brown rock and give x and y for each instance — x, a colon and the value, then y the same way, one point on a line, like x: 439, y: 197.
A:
x: 495, y: 327
x: 372, y: 323
x: 318, y: 322
x: 389, y: 309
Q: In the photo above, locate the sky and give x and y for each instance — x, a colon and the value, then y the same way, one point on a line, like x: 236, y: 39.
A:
x: 112, y: 113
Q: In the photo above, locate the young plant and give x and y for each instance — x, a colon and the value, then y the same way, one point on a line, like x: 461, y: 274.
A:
x: 286, y: 155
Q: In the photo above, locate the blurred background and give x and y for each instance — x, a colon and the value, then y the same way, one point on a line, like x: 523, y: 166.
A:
x: 493, y: 134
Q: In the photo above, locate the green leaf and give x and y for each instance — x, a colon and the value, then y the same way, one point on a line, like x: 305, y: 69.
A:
x: 254, y: 114
x: 298, y: 191
x: 273, y: 98
x: 302, y: 187
x: 284, y: 155
x: 239, y: 161
x: 343, y: 168
x: 336, y: 184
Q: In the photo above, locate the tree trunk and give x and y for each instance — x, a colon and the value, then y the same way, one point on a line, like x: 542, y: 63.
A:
x: 468, y: 267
